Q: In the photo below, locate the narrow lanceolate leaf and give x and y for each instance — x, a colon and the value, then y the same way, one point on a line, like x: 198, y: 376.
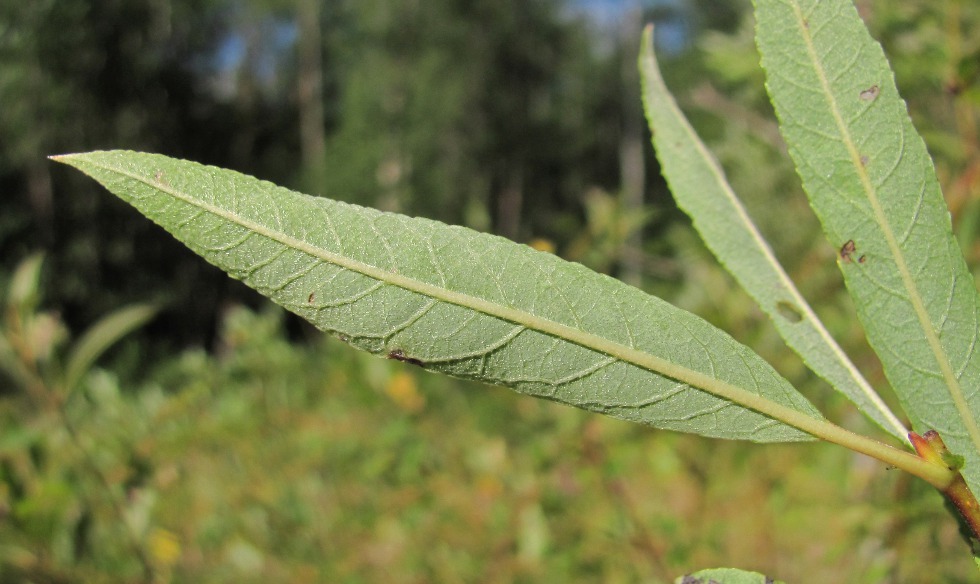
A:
x: 872, y: 184
x: 103, y: 334
x: 698, y: 184
x: 463, y: 303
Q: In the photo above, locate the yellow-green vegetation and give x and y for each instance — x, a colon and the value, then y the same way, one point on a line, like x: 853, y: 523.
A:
x: 285, y: 462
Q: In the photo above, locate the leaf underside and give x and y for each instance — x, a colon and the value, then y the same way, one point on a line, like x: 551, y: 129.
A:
x: 456, y: 301
x: 700, y: 188
x: 726, y: 576
x: 872, y: 184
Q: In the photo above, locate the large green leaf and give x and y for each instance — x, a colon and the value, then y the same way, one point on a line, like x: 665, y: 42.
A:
x: 698, y: 184
x: 871, y: 182
x: 463, y: 303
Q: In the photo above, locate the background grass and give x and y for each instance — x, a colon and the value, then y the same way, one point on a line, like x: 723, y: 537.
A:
x: 272, y: 461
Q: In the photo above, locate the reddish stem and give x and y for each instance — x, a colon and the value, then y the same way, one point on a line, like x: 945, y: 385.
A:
x: 930, y: 446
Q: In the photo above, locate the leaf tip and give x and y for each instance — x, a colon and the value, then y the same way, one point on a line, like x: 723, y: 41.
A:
x: 68, y: 159
x: 646, y: 40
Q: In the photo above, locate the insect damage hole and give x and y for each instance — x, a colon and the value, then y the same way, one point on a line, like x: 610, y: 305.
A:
x: 871, y: 93
x: 788, y: 311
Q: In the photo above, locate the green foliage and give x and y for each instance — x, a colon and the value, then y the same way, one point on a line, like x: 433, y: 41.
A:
x: 275, y: 461
x: 700, y: 188
x: 31, y: 341
x: 511, y: 130
x: 460, y: 302
x: 479, y: 307
x: 873, y: 186
x: 42, y: 505
x: 416, y: 118
x: 609, y: 226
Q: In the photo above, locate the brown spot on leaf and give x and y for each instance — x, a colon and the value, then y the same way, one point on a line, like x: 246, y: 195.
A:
x: 309, y: 299
x: 158, y: 176
x: 864, y: 160
x: 847, y: 249
x: 399, y: 355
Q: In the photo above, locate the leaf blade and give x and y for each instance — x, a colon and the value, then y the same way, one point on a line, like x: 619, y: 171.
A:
x: 698, y: 184
x: 872, y: 184
x: 417, y: 290
x: 726, y: 576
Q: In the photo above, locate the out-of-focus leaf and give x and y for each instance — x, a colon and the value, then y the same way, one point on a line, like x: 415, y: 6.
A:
x: 23, y: 292
x: 102, y: 335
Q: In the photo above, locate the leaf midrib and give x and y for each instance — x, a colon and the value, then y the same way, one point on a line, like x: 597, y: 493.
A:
x: 915, y: 298
x: 937, y: 475
x: 642, y: 359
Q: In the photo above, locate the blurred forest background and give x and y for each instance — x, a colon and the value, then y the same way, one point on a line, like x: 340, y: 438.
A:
x: 222, y: 440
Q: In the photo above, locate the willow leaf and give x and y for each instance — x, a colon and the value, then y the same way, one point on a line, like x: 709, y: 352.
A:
x: 463, y: 303
x: 872, y: 184
x: 700, y: 188
x: 726, y: 576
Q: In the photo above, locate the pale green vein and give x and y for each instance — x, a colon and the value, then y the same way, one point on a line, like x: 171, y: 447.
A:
x: 934, y: 474
x: 501, y: 342
x: 915, y: 298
